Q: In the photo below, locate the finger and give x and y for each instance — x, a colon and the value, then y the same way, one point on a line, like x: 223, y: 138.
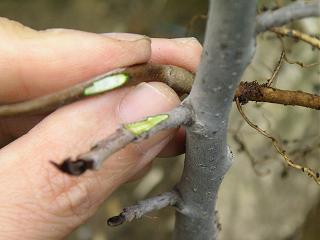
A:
x: 35, y: 63
x: 181, y: 52
x: 49, y: 203
x: 176, y: 146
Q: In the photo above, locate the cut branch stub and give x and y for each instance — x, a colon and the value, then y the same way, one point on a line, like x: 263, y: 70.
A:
x: 143, y: 207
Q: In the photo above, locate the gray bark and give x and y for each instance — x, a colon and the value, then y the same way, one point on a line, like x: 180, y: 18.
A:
x: 287, y: 14
x: 228, y: 48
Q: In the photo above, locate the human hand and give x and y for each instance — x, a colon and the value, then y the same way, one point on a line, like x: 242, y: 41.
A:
x: 36, y: 200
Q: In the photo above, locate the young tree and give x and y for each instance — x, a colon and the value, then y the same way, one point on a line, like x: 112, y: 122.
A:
x: 229, y: 45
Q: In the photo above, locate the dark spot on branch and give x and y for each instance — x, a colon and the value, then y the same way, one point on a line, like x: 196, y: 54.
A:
x: 116, y: 220
x: 223, y: 45
x: 74, y: 168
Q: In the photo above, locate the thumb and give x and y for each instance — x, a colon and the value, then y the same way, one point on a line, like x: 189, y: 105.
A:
x: 39, y: 202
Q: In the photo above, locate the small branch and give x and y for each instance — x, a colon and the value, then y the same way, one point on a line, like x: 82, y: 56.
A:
x: 131, y: 132
x: 276, y: 71
x: 253, y: 91
x: 178, y: 78
x: 284, y: 15
x: 311, y: 173
x: 283, y: 31
x: 143, y: 207
x: 300, y: 64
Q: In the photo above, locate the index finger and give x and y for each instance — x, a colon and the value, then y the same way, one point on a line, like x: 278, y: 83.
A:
x: 35, y: 63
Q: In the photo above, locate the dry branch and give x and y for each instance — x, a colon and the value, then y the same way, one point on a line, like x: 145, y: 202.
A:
x: 253, y: 91
x: 308, y: 171
x: 283, y: 31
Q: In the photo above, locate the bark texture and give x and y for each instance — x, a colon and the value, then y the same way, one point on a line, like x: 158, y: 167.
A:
x: 228, y: 48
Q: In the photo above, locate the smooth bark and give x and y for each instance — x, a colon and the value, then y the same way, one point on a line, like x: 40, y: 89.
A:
x: 228, y: 48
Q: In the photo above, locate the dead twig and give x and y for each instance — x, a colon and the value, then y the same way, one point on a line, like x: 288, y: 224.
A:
x: 283, y: 31
x: 253, y: 91
x: 276, y: 70
x: 311, y: 173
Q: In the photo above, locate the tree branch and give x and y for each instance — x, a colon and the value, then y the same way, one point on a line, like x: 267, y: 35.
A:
x: 130, y: 132
x: 143, y: 207
x: 253, y: 91
x: 228, y: 48
x: 283, y: 31
x: 286, y: 14
x: 177, y: 78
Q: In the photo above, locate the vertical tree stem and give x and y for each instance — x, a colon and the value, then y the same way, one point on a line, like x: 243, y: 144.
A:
x: 228, y: 48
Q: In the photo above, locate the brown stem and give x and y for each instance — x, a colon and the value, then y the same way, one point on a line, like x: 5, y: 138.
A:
x: 178, y: 78
x: 253, y: 91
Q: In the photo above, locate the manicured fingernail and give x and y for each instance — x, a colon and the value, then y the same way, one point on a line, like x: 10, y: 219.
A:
x: 185, y: 40
x: 126, y: 36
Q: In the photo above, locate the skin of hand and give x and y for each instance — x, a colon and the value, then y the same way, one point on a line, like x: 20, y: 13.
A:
x: 36, y: 200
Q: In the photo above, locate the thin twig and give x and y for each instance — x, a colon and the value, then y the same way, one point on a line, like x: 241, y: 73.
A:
x: 311, y: 173
x: 276, y: 70
x: 178, y: 78
x: 286, y: 14
x: 131, y: 132
x: 283, y: 31
x: 143, y: 207
x: 300, y: 64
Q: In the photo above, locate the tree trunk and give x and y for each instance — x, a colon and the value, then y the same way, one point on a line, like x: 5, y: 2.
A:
x: 228, y: 48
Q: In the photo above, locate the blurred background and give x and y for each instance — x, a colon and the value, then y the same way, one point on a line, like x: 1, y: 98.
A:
x: 260, y: 198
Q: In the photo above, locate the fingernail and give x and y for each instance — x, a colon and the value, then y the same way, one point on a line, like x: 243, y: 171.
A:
x: 185, y: 40
x: 126, y: 36
x: 147, y: 100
